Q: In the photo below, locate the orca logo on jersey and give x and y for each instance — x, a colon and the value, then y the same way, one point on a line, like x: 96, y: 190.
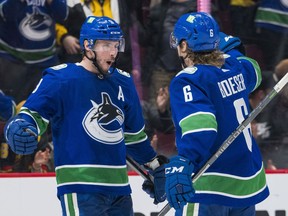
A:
x: 35, y: 26
x: 103, y: 122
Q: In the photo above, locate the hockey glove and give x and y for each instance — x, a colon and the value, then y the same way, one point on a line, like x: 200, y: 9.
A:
x: 179, y: 189
x: 227, y: 43
x: 21, y: 136
x: 157, y: 170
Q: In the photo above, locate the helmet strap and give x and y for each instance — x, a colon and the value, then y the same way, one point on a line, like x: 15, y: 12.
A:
x: 182, y: 59
x: 94, y: 62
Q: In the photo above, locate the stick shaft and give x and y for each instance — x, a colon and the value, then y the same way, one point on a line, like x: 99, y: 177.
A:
x: 276, y: 89
x: 138, y: 169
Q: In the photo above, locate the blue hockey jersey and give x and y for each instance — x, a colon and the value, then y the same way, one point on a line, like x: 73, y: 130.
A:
x: 272, y: 14
x: 27, y: 30
x: 207, y: 105
x: 94, y: 122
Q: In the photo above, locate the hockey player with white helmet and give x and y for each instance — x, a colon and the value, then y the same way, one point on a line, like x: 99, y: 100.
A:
x: 96, y: 119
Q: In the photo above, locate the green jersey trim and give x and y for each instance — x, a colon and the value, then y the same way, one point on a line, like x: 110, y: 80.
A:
x: 256, y: 68
x: 134, y: 138
x: 199, y: 121
x: 103, y: 175
x: 224, y: 184
x: 41, y: 122
x: 272, y: 16
x: 29, y: 56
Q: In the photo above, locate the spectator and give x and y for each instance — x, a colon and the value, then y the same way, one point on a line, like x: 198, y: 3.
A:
x: 162, y: 62
x: 7, y: 107
x: 7, y: 110
x: 158, y: 124
x: 27, y: 43
x: 8, y: 157
x: 271, y: 123
x: 271, y: 23
x: 40, y: 161
x: 242, y: 15
x: 96, y: 120
x: 279, y: 72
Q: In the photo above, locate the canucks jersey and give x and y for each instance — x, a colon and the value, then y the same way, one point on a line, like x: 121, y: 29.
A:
x: 28, y: 30
x: 272, y: 14
x: 94, y: 122
x: 207, y: 105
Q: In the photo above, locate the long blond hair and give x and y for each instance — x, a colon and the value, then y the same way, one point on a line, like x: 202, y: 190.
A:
x: 214, y: 58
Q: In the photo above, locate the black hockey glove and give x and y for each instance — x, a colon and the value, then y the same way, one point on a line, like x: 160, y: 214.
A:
x: 156, y: 168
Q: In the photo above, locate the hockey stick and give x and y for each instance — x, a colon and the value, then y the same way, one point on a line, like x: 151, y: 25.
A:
x: 276, y: 89
x: 138, y: 169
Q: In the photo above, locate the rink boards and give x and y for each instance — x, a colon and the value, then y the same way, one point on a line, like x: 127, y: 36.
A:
x: 35, y: 194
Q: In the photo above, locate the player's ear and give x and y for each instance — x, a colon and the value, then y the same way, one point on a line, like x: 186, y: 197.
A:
x: 86, y: 45
x: 183, y: 46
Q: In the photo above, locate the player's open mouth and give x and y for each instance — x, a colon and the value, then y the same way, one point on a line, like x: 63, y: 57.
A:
x: 109, y: 62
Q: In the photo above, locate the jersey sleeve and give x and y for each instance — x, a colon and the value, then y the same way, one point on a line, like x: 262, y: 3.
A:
x: 43, y: 103
x: 194, y: 118
x: 253, y: 72
x: 136, y: 140
x: 59, y: 9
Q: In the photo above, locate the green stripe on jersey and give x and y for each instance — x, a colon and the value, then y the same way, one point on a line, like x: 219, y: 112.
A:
x: 256, y: 68
x: 41, y: 122
x: 200, y: 121
x: 29, y: 56
x: 231, y: 186
x: 132, y: 138
x: 274, y: 17
x: 93, y: 174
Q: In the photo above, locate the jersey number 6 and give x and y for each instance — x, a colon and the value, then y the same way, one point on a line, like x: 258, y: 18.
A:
x: 240, y: 107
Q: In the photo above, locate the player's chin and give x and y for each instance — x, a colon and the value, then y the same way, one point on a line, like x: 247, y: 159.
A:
x: 105, y: 68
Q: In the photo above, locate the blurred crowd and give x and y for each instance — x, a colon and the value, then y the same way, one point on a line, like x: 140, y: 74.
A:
x: 39, y: 34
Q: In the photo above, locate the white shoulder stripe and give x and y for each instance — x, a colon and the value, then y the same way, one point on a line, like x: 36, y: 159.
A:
x: 188, y: 70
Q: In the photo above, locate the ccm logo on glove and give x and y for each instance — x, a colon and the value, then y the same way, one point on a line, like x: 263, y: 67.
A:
x: 169, y: 170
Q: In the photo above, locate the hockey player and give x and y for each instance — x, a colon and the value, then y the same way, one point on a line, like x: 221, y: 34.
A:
x: 209, y: 99
x: 94, y: 111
